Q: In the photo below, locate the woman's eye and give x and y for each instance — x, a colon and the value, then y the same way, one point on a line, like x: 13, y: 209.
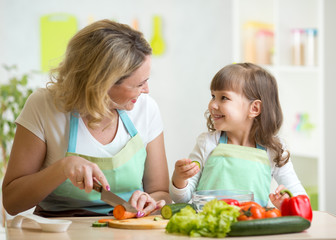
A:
x: 142, y: 84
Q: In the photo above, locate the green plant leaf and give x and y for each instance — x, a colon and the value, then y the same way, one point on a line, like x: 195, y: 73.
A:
x: 24, y: 80
x: 13, y: 94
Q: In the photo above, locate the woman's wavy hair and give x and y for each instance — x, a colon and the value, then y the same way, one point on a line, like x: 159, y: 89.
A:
x: 255, y: 83
x: 99, y: 56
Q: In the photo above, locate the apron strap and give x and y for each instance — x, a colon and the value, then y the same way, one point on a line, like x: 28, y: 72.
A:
x: 223, y: 139
x: 127, y: 123
x: 261, y: 147
x: 74, y: 128
x: 73, y: 132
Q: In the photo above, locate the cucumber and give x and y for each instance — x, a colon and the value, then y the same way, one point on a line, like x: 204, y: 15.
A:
x: 157, y: 219
x: 168, y: 210
x: 98, y: 224
x: 199, y: 165
x: 269, y: 226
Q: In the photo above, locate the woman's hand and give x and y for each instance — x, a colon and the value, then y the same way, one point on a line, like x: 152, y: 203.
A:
x: 276, y: 198
x: 82, y: 173
x: 184, y: 169
x: 143, y: 202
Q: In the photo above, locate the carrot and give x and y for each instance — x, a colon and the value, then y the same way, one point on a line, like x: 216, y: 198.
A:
x: 119, y: 212
x: 105, y: 220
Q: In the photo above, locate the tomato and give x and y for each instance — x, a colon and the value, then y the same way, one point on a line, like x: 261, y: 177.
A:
x: 250, y: 211
x: 272, y: 213
x: 231, y: 201
x: 250, y: 204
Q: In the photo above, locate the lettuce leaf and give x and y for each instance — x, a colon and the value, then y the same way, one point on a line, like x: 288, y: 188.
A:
x: 214, y: 221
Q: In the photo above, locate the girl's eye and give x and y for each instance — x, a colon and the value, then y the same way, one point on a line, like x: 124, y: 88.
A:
x: 212, y: 97
x: 224, y: 98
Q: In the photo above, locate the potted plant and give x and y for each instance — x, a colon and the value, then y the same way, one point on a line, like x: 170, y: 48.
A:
x: 13, y: 95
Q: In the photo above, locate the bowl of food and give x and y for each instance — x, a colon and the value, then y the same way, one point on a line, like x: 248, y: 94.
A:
x: 199, y: 198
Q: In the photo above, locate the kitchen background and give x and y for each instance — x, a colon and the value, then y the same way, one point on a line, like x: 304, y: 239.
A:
x: 192, y: 40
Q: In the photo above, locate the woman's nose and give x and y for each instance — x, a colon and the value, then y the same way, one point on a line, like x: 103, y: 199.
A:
x: 145, y: 88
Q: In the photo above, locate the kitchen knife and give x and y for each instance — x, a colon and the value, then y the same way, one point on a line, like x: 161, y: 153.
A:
x: 112, y: 199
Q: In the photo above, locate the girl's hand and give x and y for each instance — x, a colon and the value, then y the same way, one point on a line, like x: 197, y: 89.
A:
x: 82, y: 173
x: 184, y: 169
x: 143, y: 202
x: 276, y: 198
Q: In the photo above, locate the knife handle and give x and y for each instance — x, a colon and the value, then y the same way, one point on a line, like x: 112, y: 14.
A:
x: 97, y: 187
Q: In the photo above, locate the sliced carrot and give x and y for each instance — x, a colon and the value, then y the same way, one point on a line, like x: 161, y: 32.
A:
x: 104, y: 220
x: 119, y: 212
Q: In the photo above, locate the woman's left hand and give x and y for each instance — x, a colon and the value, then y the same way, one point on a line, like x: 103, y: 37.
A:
x: 145, y: 203
x: 276, y: 198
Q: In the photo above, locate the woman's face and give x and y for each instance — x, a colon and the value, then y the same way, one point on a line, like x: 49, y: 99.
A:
x: 125, y: 95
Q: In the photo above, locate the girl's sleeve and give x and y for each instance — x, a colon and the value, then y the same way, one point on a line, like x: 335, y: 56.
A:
x: 184, y: 195
x: 286, y: 176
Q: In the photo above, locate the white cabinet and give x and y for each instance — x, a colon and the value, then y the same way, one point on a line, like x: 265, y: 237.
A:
x: 307, y: 90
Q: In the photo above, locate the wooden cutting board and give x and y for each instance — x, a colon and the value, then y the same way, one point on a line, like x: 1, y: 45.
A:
x: 139, y: 223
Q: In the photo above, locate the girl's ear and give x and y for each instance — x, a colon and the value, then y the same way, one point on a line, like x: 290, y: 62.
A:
x: 255, y: 108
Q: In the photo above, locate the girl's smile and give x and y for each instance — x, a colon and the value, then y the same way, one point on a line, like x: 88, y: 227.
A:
x: 216, y: 116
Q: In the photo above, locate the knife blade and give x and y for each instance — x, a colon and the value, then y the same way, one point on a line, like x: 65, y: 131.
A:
x: 112, y: 199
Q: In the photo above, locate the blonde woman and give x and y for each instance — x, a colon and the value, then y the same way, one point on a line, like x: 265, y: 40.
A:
x: 93, y: 122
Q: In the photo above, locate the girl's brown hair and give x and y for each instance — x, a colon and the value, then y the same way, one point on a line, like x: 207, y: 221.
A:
x: 97, y: 57
x: 255, y: 83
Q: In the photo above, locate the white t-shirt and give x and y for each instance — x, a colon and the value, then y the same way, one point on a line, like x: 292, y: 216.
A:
x: 41, y: 117
x: 206, y: 143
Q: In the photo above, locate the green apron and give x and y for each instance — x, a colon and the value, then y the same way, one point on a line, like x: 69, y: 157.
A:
x: 124, y: 172
x: 238, y: 167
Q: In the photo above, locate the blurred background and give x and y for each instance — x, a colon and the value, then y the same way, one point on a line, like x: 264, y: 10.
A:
x: 191, y: 41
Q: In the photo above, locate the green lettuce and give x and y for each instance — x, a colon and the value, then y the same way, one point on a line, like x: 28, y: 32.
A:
x: 214, y: 221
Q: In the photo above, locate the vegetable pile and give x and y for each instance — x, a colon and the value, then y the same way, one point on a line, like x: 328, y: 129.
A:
x: 229, y: 217
x: 214, y: 221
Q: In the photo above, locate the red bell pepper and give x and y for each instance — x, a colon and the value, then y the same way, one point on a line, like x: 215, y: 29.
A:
x: 296, y: 206
x: 231, y: 201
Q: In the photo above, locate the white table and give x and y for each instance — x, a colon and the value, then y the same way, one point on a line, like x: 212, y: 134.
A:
x: 323, y: 227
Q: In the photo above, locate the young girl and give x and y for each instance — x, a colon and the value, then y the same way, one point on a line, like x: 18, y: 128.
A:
x: 241, y: 149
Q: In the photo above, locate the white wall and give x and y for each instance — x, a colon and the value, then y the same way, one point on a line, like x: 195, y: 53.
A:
x: 198, y: 38
x: 328, y: 180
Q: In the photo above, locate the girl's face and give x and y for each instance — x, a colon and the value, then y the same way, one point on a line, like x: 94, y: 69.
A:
x: 125, y: 95
x: 229, y: 111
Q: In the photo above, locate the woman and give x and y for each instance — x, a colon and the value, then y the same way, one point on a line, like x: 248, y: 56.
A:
x: 91, y: 123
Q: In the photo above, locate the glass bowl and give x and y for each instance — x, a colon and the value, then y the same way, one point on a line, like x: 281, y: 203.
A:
x: 199, y: 198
